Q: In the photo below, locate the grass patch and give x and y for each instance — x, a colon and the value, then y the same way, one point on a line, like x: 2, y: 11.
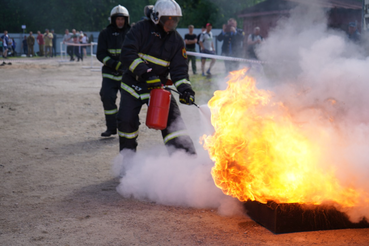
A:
x: 204, y: 86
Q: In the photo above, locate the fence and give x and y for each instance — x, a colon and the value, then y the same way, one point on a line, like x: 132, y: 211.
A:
x: 18, y: 38
x: 64, y: 55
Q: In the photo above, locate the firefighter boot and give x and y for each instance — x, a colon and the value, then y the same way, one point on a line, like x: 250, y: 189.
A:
x: 111, y: 125
x: 108, y: 133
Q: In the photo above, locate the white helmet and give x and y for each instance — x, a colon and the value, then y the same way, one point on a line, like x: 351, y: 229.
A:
x: 165, y: 8
x: 119, y: 11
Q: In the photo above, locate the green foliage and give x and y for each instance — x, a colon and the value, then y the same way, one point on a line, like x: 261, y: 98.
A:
x: 217, y: 12
x: 92, y: 15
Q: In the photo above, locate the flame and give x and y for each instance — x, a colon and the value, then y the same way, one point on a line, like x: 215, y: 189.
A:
x: 261, y: 154
x: 332, y: 101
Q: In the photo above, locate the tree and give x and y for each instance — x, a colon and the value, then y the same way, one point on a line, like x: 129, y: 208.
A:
x: 92, y: 15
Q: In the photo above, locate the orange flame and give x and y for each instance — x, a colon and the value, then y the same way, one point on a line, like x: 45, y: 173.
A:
x: 261, y: 154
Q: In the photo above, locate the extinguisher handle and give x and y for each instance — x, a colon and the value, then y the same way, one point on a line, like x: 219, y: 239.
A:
x: 170, y: 89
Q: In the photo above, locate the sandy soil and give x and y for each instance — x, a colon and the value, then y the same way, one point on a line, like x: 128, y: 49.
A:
x: 56, y: 185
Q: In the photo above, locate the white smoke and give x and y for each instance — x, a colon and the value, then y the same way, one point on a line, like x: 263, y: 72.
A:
x: 323, y: 79
x: 178, y: 180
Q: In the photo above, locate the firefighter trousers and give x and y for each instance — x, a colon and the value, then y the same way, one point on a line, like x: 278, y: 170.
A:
x: 175, y: 136
x: 108, y: 95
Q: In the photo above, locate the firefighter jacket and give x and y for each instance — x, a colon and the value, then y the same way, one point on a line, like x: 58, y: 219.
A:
x: 148, y: 46
x: 108, y: 50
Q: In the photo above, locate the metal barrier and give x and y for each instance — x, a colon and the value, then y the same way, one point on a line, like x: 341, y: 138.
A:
x: 63, y: 54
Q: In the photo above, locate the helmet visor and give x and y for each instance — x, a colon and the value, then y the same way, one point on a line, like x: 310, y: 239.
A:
x: 169, y: 22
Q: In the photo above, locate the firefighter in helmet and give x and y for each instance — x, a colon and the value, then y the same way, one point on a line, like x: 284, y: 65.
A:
x: 108, y: 51
x: 152, y: 50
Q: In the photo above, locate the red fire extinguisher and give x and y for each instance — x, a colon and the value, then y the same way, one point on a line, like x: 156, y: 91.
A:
x: 158, y: 110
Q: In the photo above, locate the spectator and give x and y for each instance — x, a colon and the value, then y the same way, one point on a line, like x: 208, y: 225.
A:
x: 75, y: 38
x: 87, y: 39
x: 237, y: 42
x: 353, y: 34
x: 83, y: 40
x: 91, y: 38
x: 30, y: 44
x: 253, y: 41
x: 79, y: 41
x: 67, y: 39
x: 1, y: 46
x: 5, y: 44
x: 207, y: 47
x: 10, y: 46
x: 232, y: 38
x: 190, y: 40
x: 14, y: 44
x: 54, y: 43
x: 41, y: 43
x: 48, y: 38
x: 24, y: 45
x: 198, y: 37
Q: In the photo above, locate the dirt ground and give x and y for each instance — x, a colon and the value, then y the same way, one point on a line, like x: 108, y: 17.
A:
x: 56, y: 185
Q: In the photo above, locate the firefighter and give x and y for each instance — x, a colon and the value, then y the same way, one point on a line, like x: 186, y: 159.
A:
x: 108, y: 51
x: 152, y: 50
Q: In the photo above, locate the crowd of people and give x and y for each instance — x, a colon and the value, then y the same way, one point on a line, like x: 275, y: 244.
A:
x: 7, y: 45
x: 232, y: 39
x: 46, y: 43
x: 234, y: 44
x: 76, y: 43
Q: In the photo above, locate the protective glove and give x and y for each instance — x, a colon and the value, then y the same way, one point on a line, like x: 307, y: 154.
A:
x: 117, y: 73
x: 187, y: 97
x: 119, y: 68
x: 152, y: 80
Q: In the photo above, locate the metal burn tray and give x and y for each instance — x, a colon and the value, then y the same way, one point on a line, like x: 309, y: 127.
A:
x: 293, y: 217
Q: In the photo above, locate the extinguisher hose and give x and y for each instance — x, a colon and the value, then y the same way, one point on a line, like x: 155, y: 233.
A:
x: 170, y: 89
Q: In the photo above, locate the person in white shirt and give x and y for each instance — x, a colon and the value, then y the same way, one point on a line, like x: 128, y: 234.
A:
x: 67, y: 39
x: 253, y: 41
x: 5, y: 38
x: 207, y: 47
x: 84, y: 40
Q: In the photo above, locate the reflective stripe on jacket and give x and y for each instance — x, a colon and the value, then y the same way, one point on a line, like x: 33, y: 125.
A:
x: 148, y: 46
x: 109, y: 46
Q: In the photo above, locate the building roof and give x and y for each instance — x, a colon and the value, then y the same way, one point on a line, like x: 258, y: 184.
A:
x: 270, y: 7
x: 345, y: 4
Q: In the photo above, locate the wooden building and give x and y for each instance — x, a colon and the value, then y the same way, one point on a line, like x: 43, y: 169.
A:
x: 266, y: 14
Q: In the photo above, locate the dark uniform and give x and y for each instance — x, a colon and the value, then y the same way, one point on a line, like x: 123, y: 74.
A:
x: 148, y: 46
x: 232, y: 46
x: 108, y: 50
x: 54, y: 44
